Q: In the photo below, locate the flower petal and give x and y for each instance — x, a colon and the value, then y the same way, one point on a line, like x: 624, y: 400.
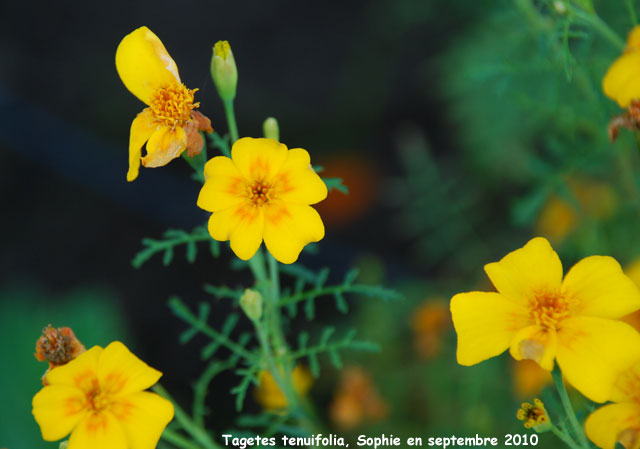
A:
x: 98, y: 431
x: 143, y: 416
x: 258, y: 159
x: 593, y: 351
x: 144, y: 64
x: 627, y: 386
x: 81, y: 372
x: 57, y: 410
x: 289, y: 227
x: 620, y: 82
x: 165, y: 145
x: 605, y: 425
x: 601, y: 289
x: 297, y: 182
x: 242, y: 224
x: 486, y: 323
x: 532, y: 268
x: 224, y: 186
x: 537, y: 344
x: 142, y: 128
x: 121, y: 373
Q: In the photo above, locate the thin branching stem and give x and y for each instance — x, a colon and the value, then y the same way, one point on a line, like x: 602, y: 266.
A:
x: 568, y: 408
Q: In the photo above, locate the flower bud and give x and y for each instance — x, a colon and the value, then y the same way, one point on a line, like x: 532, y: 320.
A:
x: 270, y: 129
x: 251, y: 303
x: 223, y: 70
x: 63, y: 444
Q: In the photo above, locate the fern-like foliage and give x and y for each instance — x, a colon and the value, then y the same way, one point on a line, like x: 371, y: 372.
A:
x: 170, y: 240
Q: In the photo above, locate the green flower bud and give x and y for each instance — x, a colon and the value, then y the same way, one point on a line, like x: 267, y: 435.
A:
x: 251, y: 303
x: 223, y: 70
x: 270, y: 129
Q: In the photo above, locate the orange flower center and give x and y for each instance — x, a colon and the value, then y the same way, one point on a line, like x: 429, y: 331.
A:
x: 172, y: 105
x: 97, y: 400
x: 547, y: 309
x: 259, y: 193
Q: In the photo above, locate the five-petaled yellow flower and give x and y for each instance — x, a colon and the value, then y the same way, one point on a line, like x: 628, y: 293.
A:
x: 263, y: 192
x: 170, y: 124
x: 98, y: 397
x: 619, y: 421
x: 621, y: 82
x: 540, y: 316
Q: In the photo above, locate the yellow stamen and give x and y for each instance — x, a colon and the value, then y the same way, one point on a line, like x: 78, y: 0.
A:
x: 547, y: 309
x: 533, y: 415
x: 259, y: 193
x: 171, y: 105
x: 97, y: 400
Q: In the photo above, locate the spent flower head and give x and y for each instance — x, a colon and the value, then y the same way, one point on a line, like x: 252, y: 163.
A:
x: 534, y: 416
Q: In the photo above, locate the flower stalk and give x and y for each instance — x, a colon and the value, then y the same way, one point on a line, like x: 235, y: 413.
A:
x: 556, y: 374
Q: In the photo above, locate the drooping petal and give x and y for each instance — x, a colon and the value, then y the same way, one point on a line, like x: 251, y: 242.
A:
x: 142, y: 128
x: 258, y: 159
x: 143, y: 416
x: 297, y: 182
x: 81, y: 372
x: 289, y: 227
x: 144, y: 64
x: 620, y: 83
x: 600, y: 288
x: 592, y: 352
x: 58, y: 409
x: 537, y: 344
x: 243, y: 224
x: 98, y: 431
x: 533, y: 268
x: 224, y: 186
x: 165, y: 145
x: 606, y: 425
x: 486, y: 323
x: 122, y: 373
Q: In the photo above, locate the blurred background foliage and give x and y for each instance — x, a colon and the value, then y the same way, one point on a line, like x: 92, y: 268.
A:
x: 461, y: 128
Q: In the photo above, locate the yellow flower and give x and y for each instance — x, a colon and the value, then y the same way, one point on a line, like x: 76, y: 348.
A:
x: 170, y: 124
x: 541, y: 317
x: 619, y: 421
x: 534, y: 416
x: 621, y: 82
x: 263, y: 193
x: 98, y: 397
x: 529, y: 378
x: 268, y: 393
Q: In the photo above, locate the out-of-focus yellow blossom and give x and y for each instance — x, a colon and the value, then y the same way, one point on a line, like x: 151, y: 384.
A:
x: 558, y: 217
x: 263, y: 192
x: 268, y: 393
x: 170, y: 124
x: 429, y: 322
x: 541, y: 317
x: 529, y: 378
x: 619, y: 422
x: 621, y: 82
x: 98, y: 397
x: 534, y: 415
x: 356, y: 400
x: 633, y: 271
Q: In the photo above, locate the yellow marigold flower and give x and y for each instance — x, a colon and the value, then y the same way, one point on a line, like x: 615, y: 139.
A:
x: 621, y: 82
x: 534, y: 416
x: 170, y: 124
x: 619, y: 422
x: 98, y: 397
x: 263, y: 193
x: 541, y: 317
x: 268, y: 393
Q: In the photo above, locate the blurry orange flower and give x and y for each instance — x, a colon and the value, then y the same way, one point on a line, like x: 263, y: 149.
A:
x: 57, y: 346
x: 621, y: 82
x: 540, y: 316
x: 170, y: 124
x: 98, y: 397
x: 529, y: 378
x: 356, y: 400
x: 618, y: 422
x: 263, y: 192
x: 268, y: 393
x: 429, y: 322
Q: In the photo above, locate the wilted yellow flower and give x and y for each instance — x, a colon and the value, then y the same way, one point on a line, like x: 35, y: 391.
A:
x: 534, y: 416
x: 268, y: 393
x: 619, y: 421
x: 98, y: 397
x: 529, y: 378
x: 621, y: 82
x: 429, y: 322
x: 170, y: 124
x: 263, y: 192
x: 541, y: 317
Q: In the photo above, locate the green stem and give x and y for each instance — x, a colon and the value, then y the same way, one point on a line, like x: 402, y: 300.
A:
x: 178, y: 440
x: 632, y: 12
x: 599, y: 25
x: 566, y: 439
x: 256, y: 264
x: 566, y: 404
x: 231, y: 120
x: 197, y: 433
